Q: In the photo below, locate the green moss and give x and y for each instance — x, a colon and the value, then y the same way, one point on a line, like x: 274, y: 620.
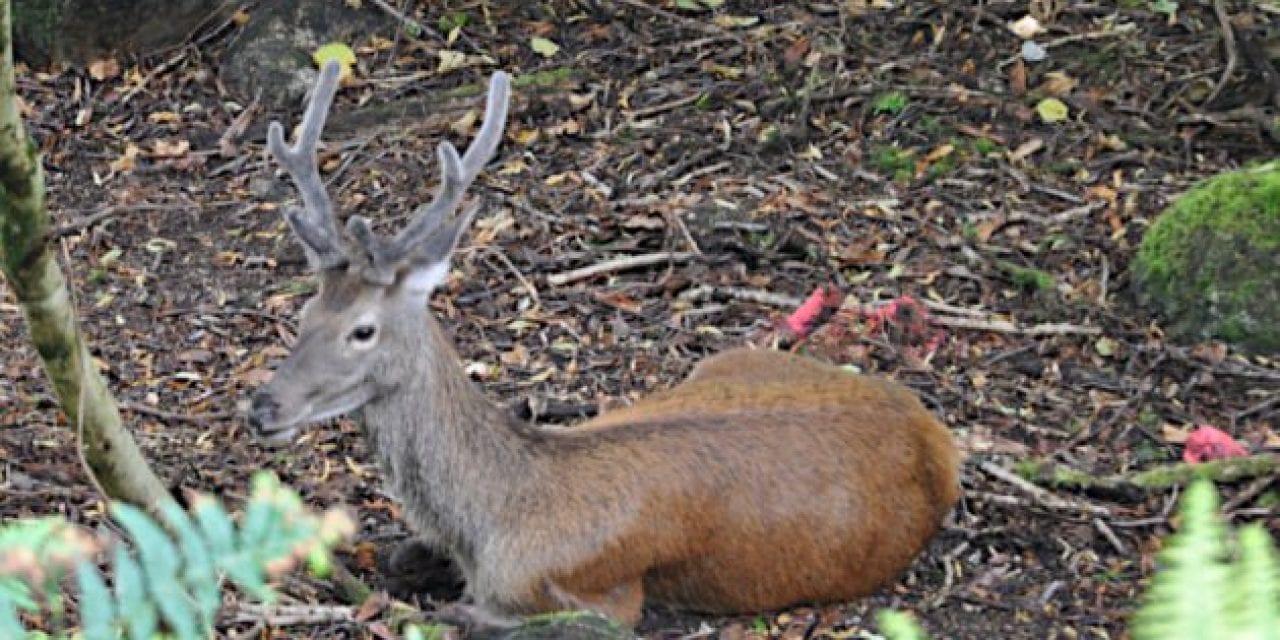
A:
x: 891, y: 103
x: 1027, y: 277
x: 898, y: 163
x: 984, y: 146
x: 1211, y: 262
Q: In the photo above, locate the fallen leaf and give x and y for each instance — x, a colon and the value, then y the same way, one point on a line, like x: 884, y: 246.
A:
x: 451, y: 60
x: 1052, y: 110
x: 104, y: 69
x: 337, y: 52
x: 544, y: 47
x: 1057, y: 83
x: 1026, y: 27
x: 1026, y: 149
x: 167, y: 149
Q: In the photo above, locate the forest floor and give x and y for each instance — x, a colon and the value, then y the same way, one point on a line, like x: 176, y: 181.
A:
x: 787, y: 146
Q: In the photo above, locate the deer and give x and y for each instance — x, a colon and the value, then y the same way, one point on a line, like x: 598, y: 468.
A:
x: 763, y: 480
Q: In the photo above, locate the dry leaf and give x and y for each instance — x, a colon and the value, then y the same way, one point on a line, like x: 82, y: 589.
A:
x: 104, y: 69
x: 1026, y: 27
x: 1057, y: 83
x: 1026, y: 149
x: 1018, y: 78
x: 166, y: 149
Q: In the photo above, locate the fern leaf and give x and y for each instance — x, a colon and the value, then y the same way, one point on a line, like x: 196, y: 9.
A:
x: 160, y: 564
x: 1187, y: 598
x: 1255, y: 592
x: 215, y: 524
x: 131, y: 595
x: 10, y: 626
x: 97, y: 615
x: 199, y: 574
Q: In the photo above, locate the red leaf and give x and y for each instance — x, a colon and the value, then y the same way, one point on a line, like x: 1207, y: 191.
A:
x: 801, y: 321
x: 1210, y: 443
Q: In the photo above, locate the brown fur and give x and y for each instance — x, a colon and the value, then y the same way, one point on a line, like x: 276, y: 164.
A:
x: 763, y: 480
x: 834, y: 482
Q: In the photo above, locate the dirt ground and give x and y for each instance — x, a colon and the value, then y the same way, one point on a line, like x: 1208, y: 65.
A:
x: 888, y: 152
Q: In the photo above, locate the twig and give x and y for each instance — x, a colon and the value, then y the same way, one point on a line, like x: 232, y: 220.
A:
x: 293, y: 614
x: 760, y: 296
x: 398, y: 15
x: 1041, y: 496
x: 175, y: 417
x: 687, y: 22
x: 639, y: 114
x: 1229, y: 42
x: 1111, y: 536
x: 1247, y: 494
x: 1118, y: 31
x: 618, y: 264
x: 1003, y: 326
x: 494, y: 250
x: 1257, y: 408
x: 76, y: 226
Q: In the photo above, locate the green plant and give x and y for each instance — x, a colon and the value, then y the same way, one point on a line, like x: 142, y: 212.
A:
x: 898, y: 163
x: 452, y: 20
x: 1027, y: 277
x: 892, y: 103
x: 1206, y: 587
x: 166, y: 575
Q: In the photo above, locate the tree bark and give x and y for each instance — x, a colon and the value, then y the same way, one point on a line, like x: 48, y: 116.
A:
x: 108, y: 449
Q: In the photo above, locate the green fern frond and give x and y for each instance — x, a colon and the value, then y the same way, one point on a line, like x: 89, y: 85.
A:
x: 1201, y: 591
x: 170, y: 575
x: 1188, y: 597
x: 1254, y: 603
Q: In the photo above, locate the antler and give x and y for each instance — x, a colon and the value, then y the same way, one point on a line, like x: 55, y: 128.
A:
x: 426, y: 234
x: 314, y: 223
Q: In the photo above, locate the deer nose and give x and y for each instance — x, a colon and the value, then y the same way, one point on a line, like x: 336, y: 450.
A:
x: 262, y: 410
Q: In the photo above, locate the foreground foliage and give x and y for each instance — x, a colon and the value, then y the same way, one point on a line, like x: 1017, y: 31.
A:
x: 1207, y: 588
x: 166, y: 575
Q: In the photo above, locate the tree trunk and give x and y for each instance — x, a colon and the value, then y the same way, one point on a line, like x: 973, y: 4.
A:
x: 110, y: 452
x: 77, y: 31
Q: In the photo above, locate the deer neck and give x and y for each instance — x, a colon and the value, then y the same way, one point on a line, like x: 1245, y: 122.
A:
x: 439, y: 441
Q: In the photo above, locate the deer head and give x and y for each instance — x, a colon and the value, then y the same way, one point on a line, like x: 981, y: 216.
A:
x: 373, y: 290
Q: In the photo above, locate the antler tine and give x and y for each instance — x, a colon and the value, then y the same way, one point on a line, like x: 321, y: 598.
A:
x: 314, y: 224
x: 456, y: 174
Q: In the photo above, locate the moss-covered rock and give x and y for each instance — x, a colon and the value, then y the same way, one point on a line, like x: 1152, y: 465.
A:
x: 1210, y: 264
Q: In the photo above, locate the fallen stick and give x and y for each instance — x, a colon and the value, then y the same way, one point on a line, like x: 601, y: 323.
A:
x: 287, y: 615
x: 618, y: 264
x: 1040, y: 495
x: 1137, y: 484
x: 1004, y: 326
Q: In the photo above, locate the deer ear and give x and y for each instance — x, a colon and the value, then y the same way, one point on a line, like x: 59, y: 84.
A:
x: 427, y: 264
x: 422, y: 279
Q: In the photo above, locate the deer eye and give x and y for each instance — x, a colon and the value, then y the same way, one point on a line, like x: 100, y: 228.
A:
x: 363, y: 333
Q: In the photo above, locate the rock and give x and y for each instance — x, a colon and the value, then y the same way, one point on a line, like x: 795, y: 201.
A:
x: 271, y: 59
x: 1210, y: 264
x: 47, y: 32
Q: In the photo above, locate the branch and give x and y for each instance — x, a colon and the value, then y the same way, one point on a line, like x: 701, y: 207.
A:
x: 618, y: 264
x: 109, y: 452
x: 1134, y: 486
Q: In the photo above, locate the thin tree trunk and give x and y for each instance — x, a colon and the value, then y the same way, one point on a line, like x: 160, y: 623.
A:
x: 26, y: 261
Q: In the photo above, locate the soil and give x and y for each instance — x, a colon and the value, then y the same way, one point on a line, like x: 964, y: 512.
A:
x: 888, y: 152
